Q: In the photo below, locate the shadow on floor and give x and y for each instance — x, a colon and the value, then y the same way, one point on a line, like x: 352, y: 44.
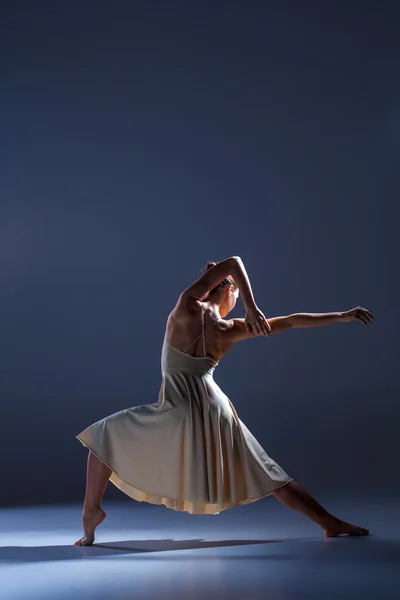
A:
x: 27, y: 554
x: 335, y: 549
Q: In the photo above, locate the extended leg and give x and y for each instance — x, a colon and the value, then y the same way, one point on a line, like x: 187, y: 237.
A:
x: 97, y: 476
x: 294, y: 496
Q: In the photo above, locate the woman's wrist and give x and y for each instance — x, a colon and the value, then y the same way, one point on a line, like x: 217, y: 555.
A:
x: 250, y: 306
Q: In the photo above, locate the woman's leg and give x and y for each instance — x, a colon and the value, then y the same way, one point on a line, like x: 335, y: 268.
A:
x: 294, y: 496
x: 97, y: 476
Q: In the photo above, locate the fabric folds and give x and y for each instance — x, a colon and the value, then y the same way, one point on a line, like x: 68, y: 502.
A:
x: 189, y: 451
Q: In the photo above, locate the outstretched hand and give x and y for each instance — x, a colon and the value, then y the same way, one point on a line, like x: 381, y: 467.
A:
x: 256, y: 322
x: 358, y: 314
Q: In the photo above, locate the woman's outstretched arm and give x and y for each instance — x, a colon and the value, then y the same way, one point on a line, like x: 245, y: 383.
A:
x: 299, y: 320
x: 359, y: 313
x: 237, y: 330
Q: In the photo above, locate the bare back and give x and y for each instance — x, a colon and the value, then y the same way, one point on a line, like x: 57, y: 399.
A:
x: 184, y: 330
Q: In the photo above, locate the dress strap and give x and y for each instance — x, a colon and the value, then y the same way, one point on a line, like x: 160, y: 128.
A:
x: 202, y: 331
x: 203, y: 334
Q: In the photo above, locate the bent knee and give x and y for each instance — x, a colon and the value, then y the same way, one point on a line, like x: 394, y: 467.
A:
x: 279, y: 491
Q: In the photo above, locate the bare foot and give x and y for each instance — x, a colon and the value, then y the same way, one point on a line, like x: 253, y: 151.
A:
x: 91, y: 519
x: 343, y: 528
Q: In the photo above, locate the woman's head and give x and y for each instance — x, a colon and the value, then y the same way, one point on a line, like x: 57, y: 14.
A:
x: 225, y: 294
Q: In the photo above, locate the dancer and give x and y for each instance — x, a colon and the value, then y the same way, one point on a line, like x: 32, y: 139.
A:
x: 190, y: 451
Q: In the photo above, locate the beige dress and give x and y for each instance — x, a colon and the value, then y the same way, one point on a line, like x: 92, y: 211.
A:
x: 189, y: 451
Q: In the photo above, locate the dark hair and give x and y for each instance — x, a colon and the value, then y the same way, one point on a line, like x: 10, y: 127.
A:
x: 227, y: 281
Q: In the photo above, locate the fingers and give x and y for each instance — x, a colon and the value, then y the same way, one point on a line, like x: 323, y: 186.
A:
x: 260, y: 325
x: 362, y: 319
x: 369, y: 315
x: 363, y: 315
x: 251, y: 328
x: 257, y: 324
x: 256, y: 327
x: 366, y: 312
x: 264, y: 326
x: 359, y: 316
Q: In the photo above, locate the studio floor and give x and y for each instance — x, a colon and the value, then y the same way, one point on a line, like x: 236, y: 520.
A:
x: 259, y: 551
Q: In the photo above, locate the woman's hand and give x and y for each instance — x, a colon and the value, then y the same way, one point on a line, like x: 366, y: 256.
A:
x: 256, y: 322
x: 358, y: 314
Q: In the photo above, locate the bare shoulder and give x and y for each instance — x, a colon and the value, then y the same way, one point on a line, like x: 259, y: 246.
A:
x: 183, y: 321
x: 235, y: 329
x: 186, y: 307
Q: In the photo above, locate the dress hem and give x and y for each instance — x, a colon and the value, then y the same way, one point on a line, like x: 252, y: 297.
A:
x: 177, y: 504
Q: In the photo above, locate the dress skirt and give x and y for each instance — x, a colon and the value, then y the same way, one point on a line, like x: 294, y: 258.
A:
x: 189, y: 451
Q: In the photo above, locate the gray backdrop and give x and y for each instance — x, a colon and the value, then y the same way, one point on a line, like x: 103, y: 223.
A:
x: 142, y: 139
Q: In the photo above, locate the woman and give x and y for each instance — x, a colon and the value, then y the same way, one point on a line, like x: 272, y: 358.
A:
x: 190, y: 451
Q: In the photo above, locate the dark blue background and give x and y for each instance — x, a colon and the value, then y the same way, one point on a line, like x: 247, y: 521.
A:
x: 140, y: 140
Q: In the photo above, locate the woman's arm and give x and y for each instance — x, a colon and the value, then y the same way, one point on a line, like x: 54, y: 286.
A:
x: 255, y: 321
x: 359, y: 313
x: 236, y: 330
x: 210, y: 279
x: 299, y: 320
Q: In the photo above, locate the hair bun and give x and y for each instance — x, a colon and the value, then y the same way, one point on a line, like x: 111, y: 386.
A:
x: 209, y: 265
